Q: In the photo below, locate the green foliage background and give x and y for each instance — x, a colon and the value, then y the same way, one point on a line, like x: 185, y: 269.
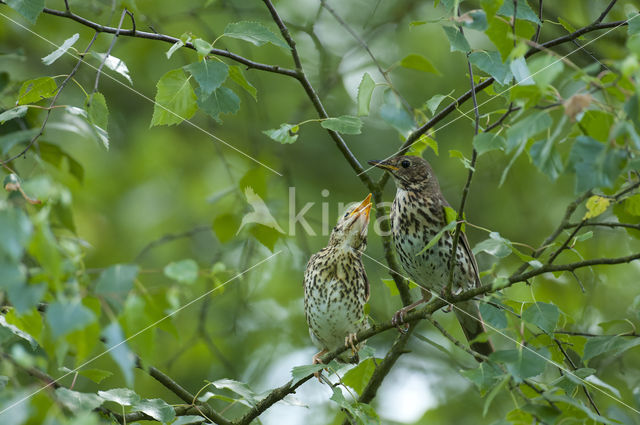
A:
x: 126, y: 235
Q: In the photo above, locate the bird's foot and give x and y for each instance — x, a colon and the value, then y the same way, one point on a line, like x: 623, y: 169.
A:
x: 445, y: 296
x: 317, y: 360
x: 350, y: 341
x: 398, y: 319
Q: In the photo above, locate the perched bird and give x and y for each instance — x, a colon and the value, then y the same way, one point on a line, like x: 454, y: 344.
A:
x: 336, y: 286
x: 417, y: 215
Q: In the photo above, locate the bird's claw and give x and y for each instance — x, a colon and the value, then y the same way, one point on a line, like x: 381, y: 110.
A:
x: 317, y: 360
x: 350, y: 341
x: 398, y: 320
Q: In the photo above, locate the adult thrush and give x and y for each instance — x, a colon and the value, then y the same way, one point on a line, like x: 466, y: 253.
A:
x: 336, y: 286
x: 417, y: 215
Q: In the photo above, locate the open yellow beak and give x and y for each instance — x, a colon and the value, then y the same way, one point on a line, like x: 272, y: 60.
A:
x: 382, y: 164
x: 363, y: 208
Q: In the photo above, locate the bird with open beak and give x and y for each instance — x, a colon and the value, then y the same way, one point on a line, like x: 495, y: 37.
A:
x: 336, y: 286
x: 417, y: 216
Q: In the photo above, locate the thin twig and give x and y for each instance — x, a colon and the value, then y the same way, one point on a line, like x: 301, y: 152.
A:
x: 465, y: 190
x: 106, y: 56
x: 315, y: 99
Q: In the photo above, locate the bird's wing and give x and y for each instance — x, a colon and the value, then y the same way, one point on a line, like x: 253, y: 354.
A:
x: 465, y: 245
x: 366, y: 284
x: 472, y: 258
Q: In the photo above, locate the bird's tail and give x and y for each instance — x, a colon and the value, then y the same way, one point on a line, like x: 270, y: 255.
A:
x: 472, y: 326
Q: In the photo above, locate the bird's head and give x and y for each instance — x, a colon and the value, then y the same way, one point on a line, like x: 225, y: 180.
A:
x: 351, y: 230
x: 409, y: 172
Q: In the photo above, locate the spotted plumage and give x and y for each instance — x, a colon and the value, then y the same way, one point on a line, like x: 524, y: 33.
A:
x: 336, y: 287
x: 417, y: 215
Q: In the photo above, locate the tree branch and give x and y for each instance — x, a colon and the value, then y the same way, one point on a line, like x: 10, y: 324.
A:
x: 595, y: 26
x: 300, y: 75
x: 169, y: 39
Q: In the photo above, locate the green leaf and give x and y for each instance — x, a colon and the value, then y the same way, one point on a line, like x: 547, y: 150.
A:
x: 76, y: 401
x: 157, y: 408
x: 188, y: 419
x: 393, y: 288
x: 491, y: 63
x: 209, y: 75
x: 524, y: 362
x: 494, y: 316
x: 597, y: 124
x: 421, y: 144
x: 255, y: 33
x: 267, y: 236
x: 221, y: 101
x: 175, y: 46
x: 457, y: 154
x: 566, y: 25
x: 300, y: 372
x: 419, y: 63
x: 359, y: 376
x: 345, y: 124
x: 633, y: 27
x: 33, y: 91
x: 545, y: 156
x: 595, y: 164
x: 526, y: 128
x: 556, y: 398
x: 226, y: 226
x: 239, y: 388
x: 363, y: 413
x: 457, y: 40
x: 520, y: 71
x: 55, y: 156
x: 365, y: 90
x: 97, y: 111
x: 175, y: 99
x: 18, y: 332
x: 184, y: 271
x: 395, y: 115
x: 10, y: 114
x: 118, y: 349
x: 284, y: 134
x: 543, y: 315
x: 15, y: 232
x: 203, y: 48
x: 433, y: 103
x: 611, y: 345
x: 493, y: 393
x: 437, y: 237
x: 115, y: 283
x: 114, y: 64
x: 495, y: 245
x: 524, y: 11
x: 53, y: 56
x: 486, y: 142
x: 596, y: 205
x: 237, y: 76
x: 96, y: 375
x: 122, y: 396
x: 64, y: 317
x: 474, y: 19
x: 485, y: 376
x: 29, y: 9
x: 499, y: 32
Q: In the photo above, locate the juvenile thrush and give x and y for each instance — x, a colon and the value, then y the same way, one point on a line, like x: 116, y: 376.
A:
x: 417, y: 215
x: 336, y: 286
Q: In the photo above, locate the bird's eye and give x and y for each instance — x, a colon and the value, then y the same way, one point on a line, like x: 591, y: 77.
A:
x: 346, y: 214
x: 405, y: 163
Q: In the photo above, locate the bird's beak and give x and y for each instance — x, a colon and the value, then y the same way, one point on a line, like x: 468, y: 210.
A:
x: 382, y: 164
x: 364, y: 208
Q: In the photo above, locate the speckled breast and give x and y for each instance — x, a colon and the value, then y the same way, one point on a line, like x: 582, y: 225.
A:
x: 414, y: 224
